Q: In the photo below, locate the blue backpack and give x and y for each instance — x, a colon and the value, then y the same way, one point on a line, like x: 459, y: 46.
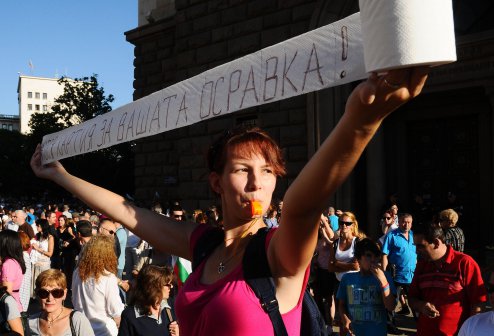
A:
x: 258, y: 276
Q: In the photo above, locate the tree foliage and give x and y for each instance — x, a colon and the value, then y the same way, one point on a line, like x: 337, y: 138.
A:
x: 82, y: 100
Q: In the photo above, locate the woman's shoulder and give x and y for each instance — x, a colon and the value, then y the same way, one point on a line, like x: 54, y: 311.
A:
x: 81, y: 323
x: 10, y: 265
x: 129, y: 312
x: 78, y: 316
x: 10, y: 302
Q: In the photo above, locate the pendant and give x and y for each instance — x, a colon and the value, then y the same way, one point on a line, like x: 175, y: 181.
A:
x: 221, y: 267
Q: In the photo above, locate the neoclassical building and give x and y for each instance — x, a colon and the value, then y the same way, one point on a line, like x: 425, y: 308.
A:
x: 442, y: 143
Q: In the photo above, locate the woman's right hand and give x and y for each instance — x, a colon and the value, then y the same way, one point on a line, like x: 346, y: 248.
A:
x: 48, y: 171
x: 173, y: 327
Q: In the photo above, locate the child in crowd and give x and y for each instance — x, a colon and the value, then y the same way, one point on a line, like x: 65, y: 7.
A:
x: 364, y: 296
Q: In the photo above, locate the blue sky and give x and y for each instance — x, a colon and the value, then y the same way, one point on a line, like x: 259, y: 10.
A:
x: 67, y: 37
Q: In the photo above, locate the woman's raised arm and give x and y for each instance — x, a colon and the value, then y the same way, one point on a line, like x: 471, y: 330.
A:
x: 161, y: 232
x: 371, y: 101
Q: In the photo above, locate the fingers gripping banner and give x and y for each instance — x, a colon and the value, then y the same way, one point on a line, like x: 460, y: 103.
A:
x: 328, y: 56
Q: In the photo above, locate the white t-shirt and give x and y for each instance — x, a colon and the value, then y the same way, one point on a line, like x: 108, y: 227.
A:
x: 99, y: 301
x: 346, y: 256
x: 478, y: 325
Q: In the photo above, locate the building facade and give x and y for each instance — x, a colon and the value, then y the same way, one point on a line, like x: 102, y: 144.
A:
x: 9, y: 122
x: 35, y: 94
x: 438, y: 149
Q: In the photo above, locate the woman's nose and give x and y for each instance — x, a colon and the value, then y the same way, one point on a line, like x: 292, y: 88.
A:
x: 254, y: 181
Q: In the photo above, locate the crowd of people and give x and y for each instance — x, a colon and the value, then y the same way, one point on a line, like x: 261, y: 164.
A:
x: 118, y: 285
x: 132, y: 299
x: 78, y: 254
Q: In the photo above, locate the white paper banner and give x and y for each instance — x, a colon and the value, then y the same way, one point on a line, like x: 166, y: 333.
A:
x: 328, y: 56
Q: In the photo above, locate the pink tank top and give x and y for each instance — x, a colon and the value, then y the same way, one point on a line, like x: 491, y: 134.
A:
x: 227, y: 307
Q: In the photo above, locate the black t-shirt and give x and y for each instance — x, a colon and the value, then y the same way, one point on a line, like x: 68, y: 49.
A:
x: 130, y: 325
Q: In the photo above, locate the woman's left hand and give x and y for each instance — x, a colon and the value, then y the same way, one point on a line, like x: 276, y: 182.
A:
x: 380, y: 95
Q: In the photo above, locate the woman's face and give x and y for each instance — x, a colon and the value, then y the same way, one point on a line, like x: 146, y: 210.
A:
x: 51, y: 297
x: 242, y: 181
x: 346, y: 224
x: 61, y: 221
x: 40, y: 230
x: 166, y: 290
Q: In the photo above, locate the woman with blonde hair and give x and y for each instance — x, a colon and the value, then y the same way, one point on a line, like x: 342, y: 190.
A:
x: 54, y: 318
x: 95, y: 286
x: 342, y: 255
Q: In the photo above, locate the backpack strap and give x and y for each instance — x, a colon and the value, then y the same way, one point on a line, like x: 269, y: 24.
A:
x: 72, y: 328
x: 205, y: 245
x: 3, y: 311
x: 258, y: 276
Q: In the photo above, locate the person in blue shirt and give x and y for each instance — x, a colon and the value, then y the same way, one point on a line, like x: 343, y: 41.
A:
x: 364, y: 297
x: 399, y: 253
x: 333, y: 219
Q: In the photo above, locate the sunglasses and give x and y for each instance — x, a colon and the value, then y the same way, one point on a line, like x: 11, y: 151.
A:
x: 57, y: 293
x: 386, y: 217
x: 346, y: 223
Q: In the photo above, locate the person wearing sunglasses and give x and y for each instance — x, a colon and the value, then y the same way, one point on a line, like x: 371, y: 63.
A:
x: 95, y: 286
x: 342, y: 253
x: 148, y: 312
x: 387, y: 225
x: 365, y: 297
x: 55, y: 319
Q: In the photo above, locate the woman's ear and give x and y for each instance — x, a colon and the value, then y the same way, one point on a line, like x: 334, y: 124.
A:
x: 214, y: 182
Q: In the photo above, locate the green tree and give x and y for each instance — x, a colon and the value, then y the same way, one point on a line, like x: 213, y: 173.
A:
x: 82, y: 100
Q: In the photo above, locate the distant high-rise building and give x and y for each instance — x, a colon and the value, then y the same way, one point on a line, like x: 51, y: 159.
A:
x: 35, y: 94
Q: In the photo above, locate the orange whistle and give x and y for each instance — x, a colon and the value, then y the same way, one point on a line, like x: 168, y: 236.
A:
x: 256, y: 208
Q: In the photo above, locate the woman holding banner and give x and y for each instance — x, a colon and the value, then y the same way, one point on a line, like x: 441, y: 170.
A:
x: 244, y: 165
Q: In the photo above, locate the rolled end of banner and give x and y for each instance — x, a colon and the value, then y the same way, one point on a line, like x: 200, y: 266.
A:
x: 404, y: 33
x: 255, y: 208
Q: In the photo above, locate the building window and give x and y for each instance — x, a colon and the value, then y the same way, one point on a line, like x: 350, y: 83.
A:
x: 36, y: 107
x: 11, y: 127
x: 45, y: 108
x: 37, y: 95
x: 45, y: 95
x: 29, y: 107
x: 4, y: 126
x: 30, y: 95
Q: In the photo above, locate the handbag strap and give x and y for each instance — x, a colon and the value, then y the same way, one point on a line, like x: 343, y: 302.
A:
x: 72, y: 328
